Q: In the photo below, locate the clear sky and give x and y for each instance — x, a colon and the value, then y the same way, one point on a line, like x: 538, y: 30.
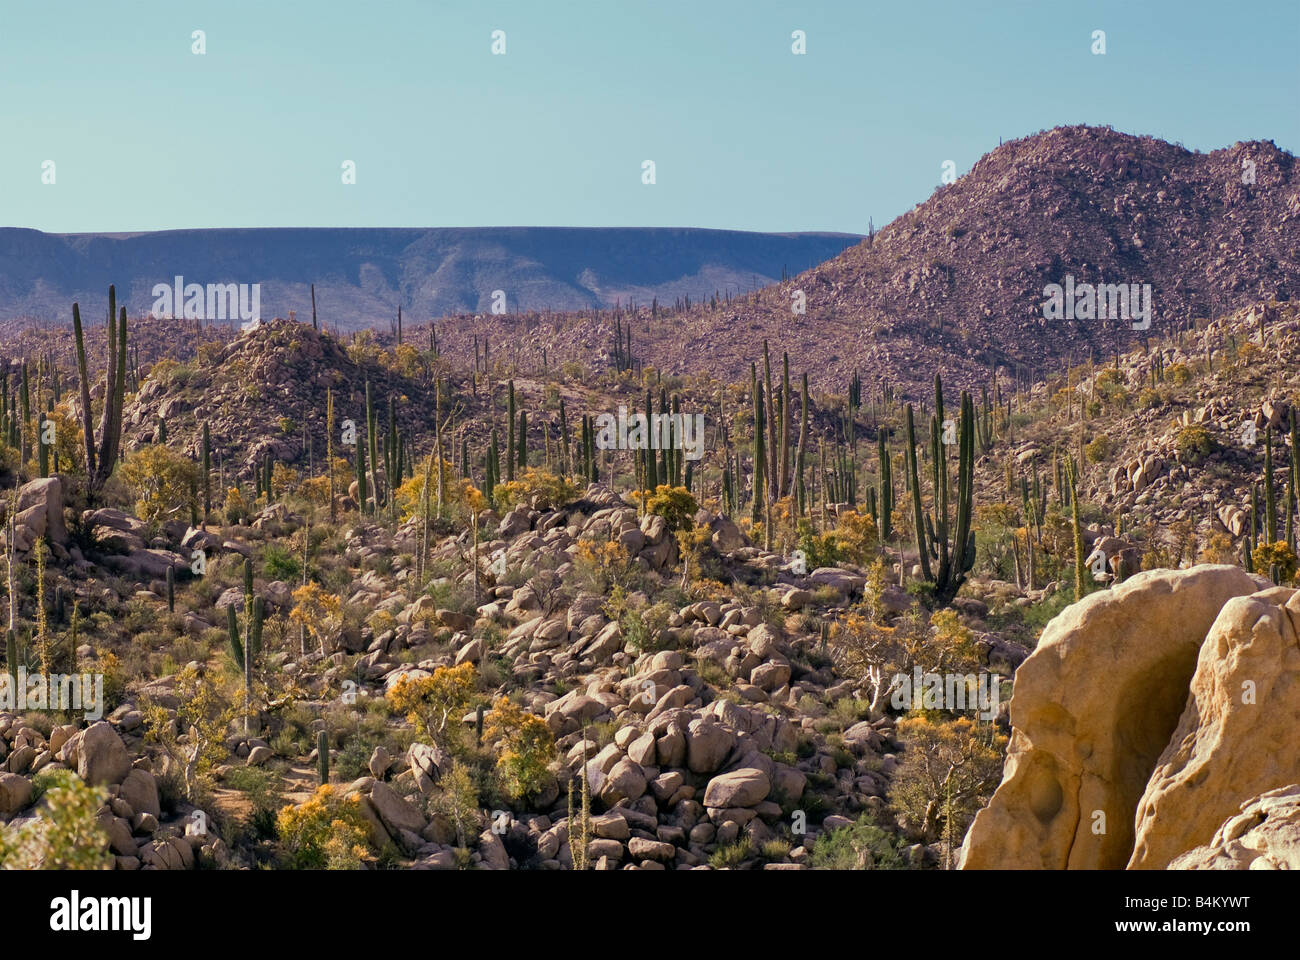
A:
x: 745, y: 134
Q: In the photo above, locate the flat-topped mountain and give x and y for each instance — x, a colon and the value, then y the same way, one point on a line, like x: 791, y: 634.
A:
x: 362, y: 275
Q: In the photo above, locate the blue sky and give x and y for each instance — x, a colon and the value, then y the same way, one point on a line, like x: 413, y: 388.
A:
x: 146, y: 135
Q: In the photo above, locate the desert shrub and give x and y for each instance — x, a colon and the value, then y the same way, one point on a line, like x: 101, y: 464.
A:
x: 1098, y: 449
x: 319, y: 612
x: 524, y: 748
x: 202, y: 717
x: 819, y: 550
x: 855, y: 536
x: 600, y: 565
x: 1269, y: 555
x: 170, y: 373
x: 261, y: 785
x: 540, y: 489
x: 66, y: 834
x: 280, y: 564
x: 236, y: 508
x: 1194, y: 443
x: 1219, y: 548
x: 675, y: 504
x: 859, y: 846
x: 644, y: 628
x: 732, y: 855
x: 458, y: 800
x: 1178, y: 374
x: 326, y: 832
x: 163, y: 482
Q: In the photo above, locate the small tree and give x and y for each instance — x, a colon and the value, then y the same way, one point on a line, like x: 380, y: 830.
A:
x: 949, y: 770
x: 437, y: 702
x: 319, y: 612
x: 196, y: 740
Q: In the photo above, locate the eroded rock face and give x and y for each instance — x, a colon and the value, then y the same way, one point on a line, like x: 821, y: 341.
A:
x: 1265, y: 835
x: 1236, y: 737
x: 1093, y: 708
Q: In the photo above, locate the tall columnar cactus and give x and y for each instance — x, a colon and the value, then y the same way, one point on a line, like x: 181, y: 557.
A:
x: 760, y: 449
x: 236, y: 644
x: 373, y: 439
x: 885, y: 486
x: 25, y: 406
x: 801, y: 451
x: 171, y: 589
x: 207, y: 472
x: 99, y: 465
x: 510, y: 432
x: 523, y: 440
x: 1079, y: 569
x: 770, y: 420
x: 564, y: 438
x: 955, y: 556
x: 362, y: 494
x: 1270, y: 497
x: 783, y: 426
x: 87, y: 424
x: 323, y: 756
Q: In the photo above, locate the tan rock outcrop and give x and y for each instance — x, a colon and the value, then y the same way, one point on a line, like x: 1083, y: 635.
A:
x: 1094, y: 705
x: 1236, y: 737
x: 1265, y: 835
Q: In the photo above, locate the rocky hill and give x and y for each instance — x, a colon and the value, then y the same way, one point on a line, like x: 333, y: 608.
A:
x: 957, y: 283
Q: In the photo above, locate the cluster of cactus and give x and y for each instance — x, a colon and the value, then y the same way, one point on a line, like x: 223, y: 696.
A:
x: 1034, y: 507
x: 1157, y: 368
x: 590, y: 470
x: 1268, y: 518
x: 623, y: 347
x: 262, y: 477
x: 956, y: 556
x: 245, y: 651
x: 99, y: 465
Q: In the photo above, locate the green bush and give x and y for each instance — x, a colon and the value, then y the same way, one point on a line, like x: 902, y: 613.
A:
x: 859, y: 846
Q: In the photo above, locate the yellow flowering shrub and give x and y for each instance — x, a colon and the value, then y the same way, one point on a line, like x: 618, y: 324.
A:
x: 524, y: 745
x: 326, y: 832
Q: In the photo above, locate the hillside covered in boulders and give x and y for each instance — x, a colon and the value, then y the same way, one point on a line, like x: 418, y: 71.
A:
x: 352, y: 604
